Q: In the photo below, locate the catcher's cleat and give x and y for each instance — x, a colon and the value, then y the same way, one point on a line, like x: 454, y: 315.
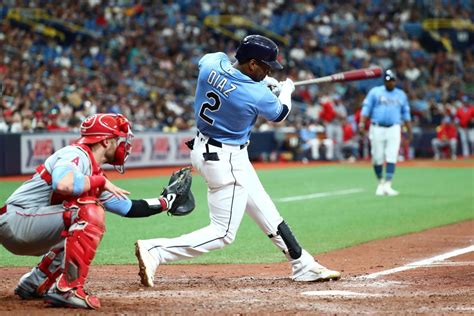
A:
x: 25, y: 289
x: 146, y: 263
x: 318, y: 273
x: 73, y: 298
x: 26, y: 294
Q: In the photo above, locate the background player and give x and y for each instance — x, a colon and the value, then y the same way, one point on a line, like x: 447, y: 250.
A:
x: 60, y: 212
x: 228, y: 100
x: 387, y: 107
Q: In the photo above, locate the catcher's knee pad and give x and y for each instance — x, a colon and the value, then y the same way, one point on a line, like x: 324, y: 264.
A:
x: 81, y: 244
x: 294, y: 248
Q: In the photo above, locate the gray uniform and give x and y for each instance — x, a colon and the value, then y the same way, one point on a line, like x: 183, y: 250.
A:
x: 33, y: 222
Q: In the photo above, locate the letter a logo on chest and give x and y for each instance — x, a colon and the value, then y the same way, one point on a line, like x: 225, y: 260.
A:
x: 75, y: 161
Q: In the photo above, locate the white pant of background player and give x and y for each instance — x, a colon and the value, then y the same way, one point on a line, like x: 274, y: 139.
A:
x: 385, y: 145
x: 233, y: 188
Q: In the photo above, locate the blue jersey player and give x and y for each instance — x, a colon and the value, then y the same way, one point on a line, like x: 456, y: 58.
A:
x: 387, y: 107
x: 229, y: 98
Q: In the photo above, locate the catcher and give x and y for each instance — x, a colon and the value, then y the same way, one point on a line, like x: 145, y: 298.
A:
x: 59, y: 212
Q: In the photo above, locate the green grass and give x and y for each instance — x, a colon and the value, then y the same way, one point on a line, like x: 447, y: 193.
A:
x: 430, y: 197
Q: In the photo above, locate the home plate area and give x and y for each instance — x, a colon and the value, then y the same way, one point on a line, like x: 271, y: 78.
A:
x: 395, y: 275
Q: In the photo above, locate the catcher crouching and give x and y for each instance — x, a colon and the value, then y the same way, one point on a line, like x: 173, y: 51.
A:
x: 59, y: 213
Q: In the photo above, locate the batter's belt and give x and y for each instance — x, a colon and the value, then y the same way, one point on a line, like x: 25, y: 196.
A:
x: 216, y: 143
x: 381, y: 124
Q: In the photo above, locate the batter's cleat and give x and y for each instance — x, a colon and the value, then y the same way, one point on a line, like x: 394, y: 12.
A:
x: 380, y: 190
x: 73, y: 298
x: 318, y: 273
x: 146, y: 263
x: 389, y: 191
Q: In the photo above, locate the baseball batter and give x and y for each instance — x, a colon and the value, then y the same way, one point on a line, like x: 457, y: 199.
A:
x: 229, y: 98
x: 387, y: 107
x: 59, y: 213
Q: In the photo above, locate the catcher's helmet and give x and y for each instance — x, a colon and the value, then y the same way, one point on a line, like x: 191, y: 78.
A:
x: 98, y: 127
x: 260, y: 48
x: 389, y: 75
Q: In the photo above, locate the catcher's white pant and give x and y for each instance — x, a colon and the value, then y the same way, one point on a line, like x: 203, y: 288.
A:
x: 385, y: 143
x: 233, y: 188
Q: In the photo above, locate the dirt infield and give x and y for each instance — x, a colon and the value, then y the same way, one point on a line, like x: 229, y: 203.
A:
x: 432, y: 287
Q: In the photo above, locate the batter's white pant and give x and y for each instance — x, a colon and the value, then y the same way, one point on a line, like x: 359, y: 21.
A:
x: 385, y: 143
x: 233, y: 188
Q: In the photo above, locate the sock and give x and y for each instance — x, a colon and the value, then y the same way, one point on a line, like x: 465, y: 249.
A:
x: 389, y: 171
x: 378, y: 171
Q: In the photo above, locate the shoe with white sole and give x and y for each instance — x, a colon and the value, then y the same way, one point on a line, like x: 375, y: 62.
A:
x: 318, y: 273
x: 389, y: 191
x: 71, y: 298
x: 380, y: 190
x: 146, y: 263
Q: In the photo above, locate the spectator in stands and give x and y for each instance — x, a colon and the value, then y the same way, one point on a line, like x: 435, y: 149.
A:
x: 446, y: 138
x: 465, y: 123
x: 140, y: 59
x: 315, y: 143
x: 332, y: 114
x: 350, y: 142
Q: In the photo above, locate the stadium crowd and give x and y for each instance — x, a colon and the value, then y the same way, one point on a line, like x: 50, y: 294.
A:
x: 141, y: 60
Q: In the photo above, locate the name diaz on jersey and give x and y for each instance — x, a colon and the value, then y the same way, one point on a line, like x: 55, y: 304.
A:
x: 215, y: 80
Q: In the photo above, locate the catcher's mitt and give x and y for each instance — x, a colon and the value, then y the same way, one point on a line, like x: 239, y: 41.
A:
x: 178, y: 193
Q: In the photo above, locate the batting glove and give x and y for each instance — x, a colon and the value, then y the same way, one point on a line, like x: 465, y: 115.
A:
x: 288, y: 86
x: 273, y: 84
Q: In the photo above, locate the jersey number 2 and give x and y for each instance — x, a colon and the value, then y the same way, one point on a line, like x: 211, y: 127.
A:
x: 211, y: 107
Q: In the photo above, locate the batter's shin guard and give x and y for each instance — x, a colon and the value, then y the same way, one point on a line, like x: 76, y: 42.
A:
x: 36, y: 283
x: 80, y: 247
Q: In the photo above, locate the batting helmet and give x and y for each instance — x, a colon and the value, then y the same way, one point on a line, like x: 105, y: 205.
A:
x: 389, y: 75
x: 98, y: 127
x: 260, y: 48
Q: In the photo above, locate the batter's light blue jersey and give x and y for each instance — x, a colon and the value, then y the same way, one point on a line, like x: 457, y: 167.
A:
x: 228, y: 102
x: 386, y: 107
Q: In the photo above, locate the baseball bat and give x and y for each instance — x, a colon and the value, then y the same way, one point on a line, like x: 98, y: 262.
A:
x: 352, y: 75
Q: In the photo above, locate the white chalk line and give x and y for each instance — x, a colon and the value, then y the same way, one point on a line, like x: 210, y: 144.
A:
x: 421, y: 263
x: 339, y: 293
x: 318, y: 195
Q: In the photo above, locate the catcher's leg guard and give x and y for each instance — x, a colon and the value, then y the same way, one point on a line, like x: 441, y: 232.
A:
x: 81, y: 244
x: 39, y: 280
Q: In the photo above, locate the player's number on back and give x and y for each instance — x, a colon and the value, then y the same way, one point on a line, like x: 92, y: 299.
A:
x: 210, y: 106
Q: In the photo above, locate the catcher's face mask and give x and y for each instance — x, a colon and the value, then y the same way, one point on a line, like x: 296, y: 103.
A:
x: 104, y: 126
x: 124, y: 144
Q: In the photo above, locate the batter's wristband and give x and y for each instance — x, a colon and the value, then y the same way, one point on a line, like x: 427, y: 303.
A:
x: 96, y: 182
